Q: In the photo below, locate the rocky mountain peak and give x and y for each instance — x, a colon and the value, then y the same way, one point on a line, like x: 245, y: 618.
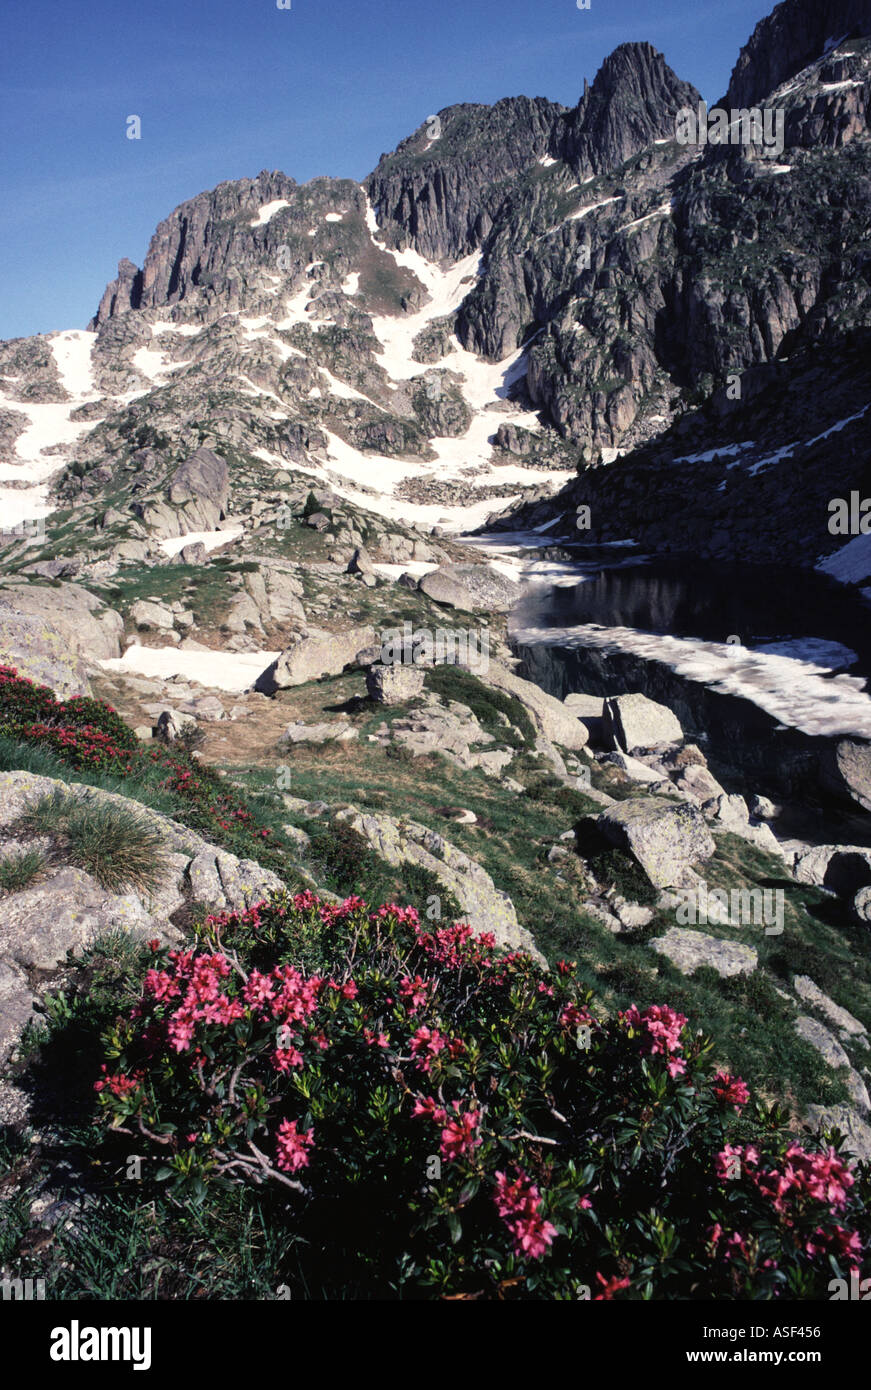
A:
x: 633, y: 101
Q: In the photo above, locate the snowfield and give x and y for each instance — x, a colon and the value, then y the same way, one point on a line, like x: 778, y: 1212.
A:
x: 210, y: 539
x: 232, y: 671
x: 268, y: 211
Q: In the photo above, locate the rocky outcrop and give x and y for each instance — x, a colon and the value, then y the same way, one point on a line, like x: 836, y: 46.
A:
x: 846, y: 770
x: 66, y: 909
x: 811, y: 1031
x: 40, y: 652
x: 787, y: 40
x: 441, y: 195
x: 394, y: 685
x: 483, y: 906
x: 201, y: 485
x: 52, y: 635
x: 633, y: 722
x: 633, y: 101
x: 689, y: 950
x: 471, y: 588
x: 550, y: 716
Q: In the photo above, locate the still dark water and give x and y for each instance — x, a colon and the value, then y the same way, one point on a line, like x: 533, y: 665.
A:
x: 758, y: 604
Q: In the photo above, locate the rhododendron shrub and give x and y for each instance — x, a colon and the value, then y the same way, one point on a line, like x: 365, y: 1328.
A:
x: 90, y: 736
x: 436, y: 1117
x: 84, y: 732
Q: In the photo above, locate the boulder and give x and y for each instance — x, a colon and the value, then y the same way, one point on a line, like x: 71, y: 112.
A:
x: 666, y: 839
x: 201, y: 486
x: 42, y: 653
x: 831, y: 1051
x: 51, y: 634
x: 862, y: 905
x: 172, y: 724
x: 324, y: 732
x: 148, y: 613
x: 194, y: 554
x: 65, y: 911
x: 633, y: 722
x: 698, y: 784
x: 844, y: 869
x: 16, y: 1005
x: 589, y: 710
x: 688, y: 950
x: 844, y: 1118
x: 482, y: 905
x: 471, y: 588
x: 314, y: 655
x: 842, y: 1019
x: 845, y: 769
x: 394, y: 685
x: 207, y: 708
x: 549, y: 716
x: 360, y: 562
x: 635, y: 770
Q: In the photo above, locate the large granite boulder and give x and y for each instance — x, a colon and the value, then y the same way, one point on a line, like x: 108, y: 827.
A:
x: 394, y: 685
x: 66, y: 909
x: 550, y: 716
x: 665, y: 838
x: 201, y: 485
x: 688, y: 950
x: 471, y: 588
x: 41, y: 653
x: 52, y: 633
x: 846, y: 770
x: 314, y: 655
x: 844, y: 869
x: 857, y: 1131
x: 633, y: 722
x: 484, y: 907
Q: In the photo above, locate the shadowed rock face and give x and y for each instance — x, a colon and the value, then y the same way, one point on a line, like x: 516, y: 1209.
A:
x: 201, y: 475
x: 442, y: 196
x: 793, y: 35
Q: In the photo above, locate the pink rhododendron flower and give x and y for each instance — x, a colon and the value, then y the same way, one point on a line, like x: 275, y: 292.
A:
x: 518, y: 1202
x: 609, y: 1287
x: 426, y: 1044
x: 283, y: 1058
x: 416, y: 992
x: 459, y: 1135
x: 731, y: 1090
x: 292, y: 1147
x: 427, y: 1105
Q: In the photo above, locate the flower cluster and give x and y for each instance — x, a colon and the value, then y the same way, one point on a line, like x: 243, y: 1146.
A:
x: 91, y: 736
x: 663, y: 1027
x: 730, y: 1090
x: 292, y: 1147
x: 518, y: 1202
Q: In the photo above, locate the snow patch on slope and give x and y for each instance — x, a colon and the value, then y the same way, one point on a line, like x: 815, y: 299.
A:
x: 268, y: 211
x: 72, y: 353
x: 231, y: 671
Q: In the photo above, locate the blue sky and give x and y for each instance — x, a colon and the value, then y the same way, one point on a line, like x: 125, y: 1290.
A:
x: 225, y: 88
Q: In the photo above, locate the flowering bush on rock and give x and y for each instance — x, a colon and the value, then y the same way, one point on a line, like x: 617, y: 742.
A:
x: 90, y: 736
x: 437, y: 1117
